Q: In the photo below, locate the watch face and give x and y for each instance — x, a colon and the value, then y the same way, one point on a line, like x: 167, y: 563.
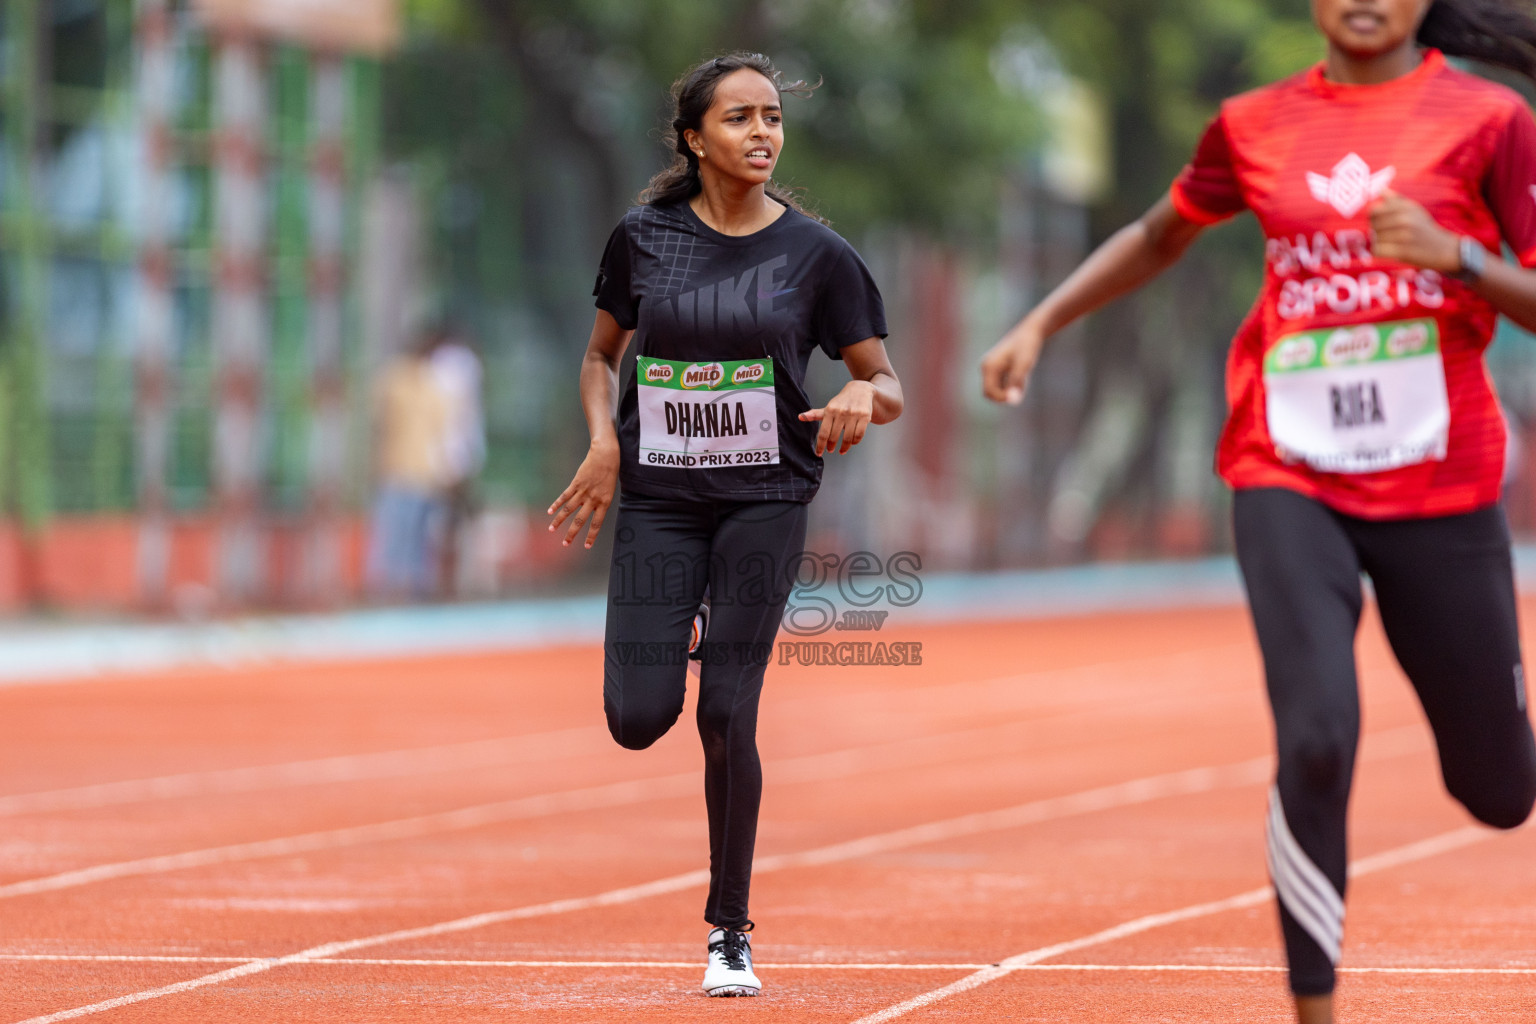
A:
x: 1471, y: 259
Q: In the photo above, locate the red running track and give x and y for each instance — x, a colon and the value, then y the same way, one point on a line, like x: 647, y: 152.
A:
x: 457, y: 839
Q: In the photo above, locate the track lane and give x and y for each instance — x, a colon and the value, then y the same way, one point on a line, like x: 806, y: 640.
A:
x: 801, y: 806
x: 1131, y: 793
x: 1037, y: 696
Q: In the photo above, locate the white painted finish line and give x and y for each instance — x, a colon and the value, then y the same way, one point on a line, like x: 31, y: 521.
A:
x: 769, y: 967
x: 1126, y: 794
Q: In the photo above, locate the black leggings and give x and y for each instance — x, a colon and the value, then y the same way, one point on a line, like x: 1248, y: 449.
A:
x: 1445, y: 591
x: 666, y: 551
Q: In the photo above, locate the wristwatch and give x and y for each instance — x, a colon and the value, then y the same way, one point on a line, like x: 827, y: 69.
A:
x: 1473, y: 256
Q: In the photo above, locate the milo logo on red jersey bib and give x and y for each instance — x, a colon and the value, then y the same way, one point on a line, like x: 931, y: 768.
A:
x: 1358, y: 345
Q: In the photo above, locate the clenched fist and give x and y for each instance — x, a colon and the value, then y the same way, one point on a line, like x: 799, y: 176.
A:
x: 1404, y: 231
x: 1006, y: 367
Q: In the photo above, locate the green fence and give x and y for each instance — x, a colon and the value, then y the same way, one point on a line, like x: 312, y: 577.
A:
x: 71, y: 177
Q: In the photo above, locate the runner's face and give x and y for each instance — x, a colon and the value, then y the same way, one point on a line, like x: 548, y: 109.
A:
x: 743, y: 130
x: 1366, y: 28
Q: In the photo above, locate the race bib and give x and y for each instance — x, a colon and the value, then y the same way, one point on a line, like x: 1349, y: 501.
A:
x: 1358, y: 399
x: 707, y: 415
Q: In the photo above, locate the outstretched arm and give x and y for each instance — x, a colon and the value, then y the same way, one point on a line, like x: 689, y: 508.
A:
x: 1127, y: 260
x: 590, y: 492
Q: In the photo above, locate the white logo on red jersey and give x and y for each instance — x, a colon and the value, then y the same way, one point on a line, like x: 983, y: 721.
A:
x: 1351, y: 186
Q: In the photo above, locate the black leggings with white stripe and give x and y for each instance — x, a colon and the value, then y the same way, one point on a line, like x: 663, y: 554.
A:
x: 1445, y: 591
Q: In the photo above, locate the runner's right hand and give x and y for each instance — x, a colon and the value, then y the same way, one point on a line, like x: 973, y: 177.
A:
x: 589, y: 493
x: 1006, y: 367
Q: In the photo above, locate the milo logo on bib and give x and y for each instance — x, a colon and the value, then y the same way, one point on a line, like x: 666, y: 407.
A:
x: 1351, y: 345
x: 707, y: 415
x: 1360, y: 398
x: 701, y: 375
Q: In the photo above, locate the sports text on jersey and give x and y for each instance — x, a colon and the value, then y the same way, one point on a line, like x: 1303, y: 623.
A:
x: 1339, y: 280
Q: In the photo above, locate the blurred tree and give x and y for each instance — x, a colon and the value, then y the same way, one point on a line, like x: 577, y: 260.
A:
x: 1165, y: 67
x: 909, y: 126
x: 1162, y: 70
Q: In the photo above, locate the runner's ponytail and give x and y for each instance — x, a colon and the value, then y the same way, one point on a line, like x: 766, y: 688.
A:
x: 692, y: 95
x: 1499, y: 32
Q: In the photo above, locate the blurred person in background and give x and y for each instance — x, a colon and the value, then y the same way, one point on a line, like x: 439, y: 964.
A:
x: 460, y: 376
x: 412, y: 417
x: 1363, y: 432
x: 726, y: 287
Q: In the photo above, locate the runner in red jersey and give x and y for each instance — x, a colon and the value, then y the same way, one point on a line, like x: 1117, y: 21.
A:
x: 1364, y: 435
x: 1310, y: 157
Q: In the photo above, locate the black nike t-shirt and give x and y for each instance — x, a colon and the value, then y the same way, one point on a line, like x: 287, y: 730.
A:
x: 724, y: 328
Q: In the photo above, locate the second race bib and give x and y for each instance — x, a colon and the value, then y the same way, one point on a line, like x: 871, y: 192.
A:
x: 707, y: 415
x: 1358, y: 399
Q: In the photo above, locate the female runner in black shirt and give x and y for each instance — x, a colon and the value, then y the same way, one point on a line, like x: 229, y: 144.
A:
x: 726, y: 287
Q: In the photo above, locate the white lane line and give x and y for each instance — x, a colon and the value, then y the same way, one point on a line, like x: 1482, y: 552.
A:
x: 108, y: 958
x: 120, y: 958
x: 588, y: 799
x: 1264, y: 969
x: 1138, y: 791
x: 1407, y: 854
x: 905, y: 753
x: 319, y: 771
x: 1375, y: 747
x: 514, y: 749
x: 629, y: 894
x: 693, y: 965
x: 682, y: 965
x: 814, y: 767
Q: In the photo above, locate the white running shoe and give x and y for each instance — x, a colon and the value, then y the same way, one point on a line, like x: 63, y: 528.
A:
x: 730, y: 964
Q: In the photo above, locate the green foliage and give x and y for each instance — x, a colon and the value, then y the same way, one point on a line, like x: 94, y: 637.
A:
x: 910, y: 125
x: 435, y: 18
x: 1166, y: 66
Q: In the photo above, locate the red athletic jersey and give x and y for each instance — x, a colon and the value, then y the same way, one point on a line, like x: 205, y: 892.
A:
x: 1359, y: 381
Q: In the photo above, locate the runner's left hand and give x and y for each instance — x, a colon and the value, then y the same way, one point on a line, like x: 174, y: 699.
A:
x: 587, y: 497
x: 1404, y: 231
x: 846, y: 416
